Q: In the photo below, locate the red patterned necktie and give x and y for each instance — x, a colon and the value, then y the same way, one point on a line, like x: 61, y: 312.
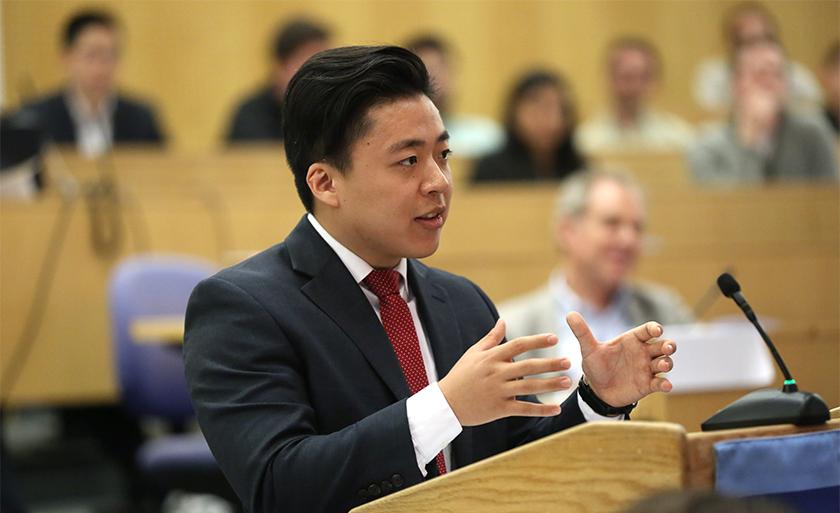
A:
x: 396, y: 318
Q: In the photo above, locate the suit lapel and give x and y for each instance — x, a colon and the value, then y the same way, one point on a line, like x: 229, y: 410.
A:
x: 333, y: 289
x: 441, y: 327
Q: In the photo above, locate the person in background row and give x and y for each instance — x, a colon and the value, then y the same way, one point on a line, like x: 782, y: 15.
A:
x: 470, y: 136
x: 830, y: 78
x: 259, y: 117
x: 540, y: 121
x: 633, y: 71
x: 745, y: 22
x: 763, y: 140
x: 598, y: 226
x: 88, y: 110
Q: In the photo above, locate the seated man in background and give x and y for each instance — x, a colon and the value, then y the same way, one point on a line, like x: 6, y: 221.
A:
x: 830, y: 78
x: 763, y: 140
x: 745, y: 22
x: 88, y: 111
x: 471, y: 136
x: 598, y: 225
x: 540, y: 121
x: 633, y: 71
x: 259, y: 117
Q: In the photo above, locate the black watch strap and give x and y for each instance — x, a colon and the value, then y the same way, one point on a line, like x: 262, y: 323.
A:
x: 599, y: 406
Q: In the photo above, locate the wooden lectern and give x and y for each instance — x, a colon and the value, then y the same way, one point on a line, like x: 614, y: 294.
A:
x: 598, y: 467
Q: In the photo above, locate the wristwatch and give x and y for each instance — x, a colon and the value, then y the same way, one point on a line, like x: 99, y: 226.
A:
x: 597, y: 404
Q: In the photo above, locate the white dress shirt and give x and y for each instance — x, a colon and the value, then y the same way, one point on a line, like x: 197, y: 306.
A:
x: 94, y: 130
x: 431, y: 421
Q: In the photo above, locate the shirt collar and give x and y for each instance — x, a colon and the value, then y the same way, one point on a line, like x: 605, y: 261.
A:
x: 568, y: 300
x: 357, y: 266
x: 81, y: 110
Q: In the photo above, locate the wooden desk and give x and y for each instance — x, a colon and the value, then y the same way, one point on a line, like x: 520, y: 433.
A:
x: 162, y: 329
x: 237, y: 202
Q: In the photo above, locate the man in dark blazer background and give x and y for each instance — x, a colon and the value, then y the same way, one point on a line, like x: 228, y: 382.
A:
x: 88, y: 111
x: 334, y: 368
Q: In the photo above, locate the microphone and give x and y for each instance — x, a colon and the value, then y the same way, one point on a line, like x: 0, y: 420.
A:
x: 769, y: 406
x: 731, y: 289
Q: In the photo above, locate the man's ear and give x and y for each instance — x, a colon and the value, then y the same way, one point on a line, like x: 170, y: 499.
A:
x: 563, y: 230
x: 321, y: 180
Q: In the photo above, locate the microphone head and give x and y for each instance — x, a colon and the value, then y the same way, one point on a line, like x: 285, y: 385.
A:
x: 728, y: 285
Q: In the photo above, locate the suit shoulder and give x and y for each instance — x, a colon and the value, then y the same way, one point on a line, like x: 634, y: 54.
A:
x: 134, y: 105
x: 258, y: 271
x: 661, y: 303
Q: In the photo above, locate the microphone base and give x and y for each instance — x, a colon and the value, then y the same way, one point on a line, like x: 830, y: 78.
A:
x: 770, y: 406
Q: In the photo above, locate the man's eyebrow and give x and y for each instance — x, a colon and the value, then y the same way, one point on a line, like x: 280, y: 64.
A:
x: 414, y: 143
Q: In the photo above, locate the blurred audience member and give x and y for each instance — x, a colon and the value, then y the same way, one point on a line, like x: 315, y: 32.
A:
x: 633, y: 70
x: 763, y: 140
x: 88, y: 110
x: 745, y: 22
x: 470, y: 136
x: 539, y: 124
x: 598, y: 225
x: 259, y: 117
x: 703, y: 501
x: 830, y: 75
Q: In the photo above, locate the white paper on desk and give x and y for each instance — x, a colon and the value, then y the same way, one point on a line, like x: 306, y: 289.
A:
x: 721, y: 355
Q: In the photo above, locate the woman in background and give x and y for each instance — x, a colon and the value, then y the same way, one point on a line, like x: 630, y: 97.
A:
x: 539, y: 123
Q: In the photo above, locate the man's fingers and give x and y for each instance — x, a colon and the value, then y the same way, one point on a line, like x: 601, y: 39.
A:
x: 660, y: 384
x: 520, y: 345
x: 582, y: 333
x: 662, y: 347
x: 533, y: 386
x: 527, y: 409
x: 493, y: 337
x: 647, y: 331
x: 533, y: 366
x: 661, y: 364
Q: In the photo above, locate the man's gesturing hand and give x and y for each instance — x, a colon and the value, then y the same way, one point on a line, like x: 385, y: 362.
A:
x: 625, y: 369
x: 484, y: 383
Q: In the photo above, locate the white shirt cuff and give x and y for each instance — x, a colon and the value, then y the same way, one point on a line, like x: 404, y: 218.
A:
x: 590, y: 415
x: 432, y: 423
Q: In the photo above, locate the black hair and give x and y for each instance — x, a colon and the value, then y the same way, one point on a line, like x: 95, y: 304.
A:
x: 424, y: 42
x: 566, y: 153
x: 327, y: 101
x: 293, y: 35
x: 639, y: 44
x: 85, y: 19
x: 530, y: 82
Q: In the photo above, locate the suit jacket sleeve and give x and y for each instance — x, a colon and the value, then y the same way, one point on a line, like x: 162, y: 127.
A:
x: 251, y: 400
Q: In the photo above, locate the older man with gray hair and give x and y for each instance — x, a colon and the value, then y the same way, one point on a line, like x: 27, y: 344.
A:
x: 598, y: 226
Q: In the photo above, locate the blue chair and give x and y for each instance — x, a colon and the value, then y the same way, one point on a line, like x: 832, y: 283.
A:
x: 151, y: 376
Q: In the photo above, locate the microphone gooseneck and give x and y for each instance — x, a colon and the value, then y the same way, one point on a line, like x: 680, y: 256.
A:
x: 730, y: 288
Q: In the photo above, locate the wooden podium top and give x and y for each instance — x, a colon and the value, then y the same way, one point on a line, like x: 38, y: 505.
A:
x: 599, y: 467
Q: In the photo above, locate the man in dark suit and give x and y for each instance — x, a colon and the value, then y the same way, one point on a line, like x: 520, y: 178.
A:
x: 88, y: 111
x: 259, y: 117
x: 334, y: 368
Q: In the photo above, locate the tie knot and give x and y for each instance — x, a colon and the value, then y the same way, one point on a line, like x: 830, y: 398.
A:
x: 383, y: 282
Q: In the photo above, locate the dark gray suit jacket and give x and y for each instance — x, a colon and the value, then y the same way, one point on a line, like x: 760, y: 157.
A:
x: 299, y: 392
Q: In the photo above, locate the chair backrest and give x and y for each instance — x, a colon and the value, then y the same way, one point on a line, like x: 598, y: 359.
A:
x: 151, y: 376
x: 802, y: 470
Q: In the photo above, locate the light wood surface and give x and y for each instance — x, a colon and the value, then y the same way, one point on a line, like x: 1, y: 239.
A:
x: 782, y: 242
x: 197, y: 60
x: 594, y: 468
x: 158, y: 329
